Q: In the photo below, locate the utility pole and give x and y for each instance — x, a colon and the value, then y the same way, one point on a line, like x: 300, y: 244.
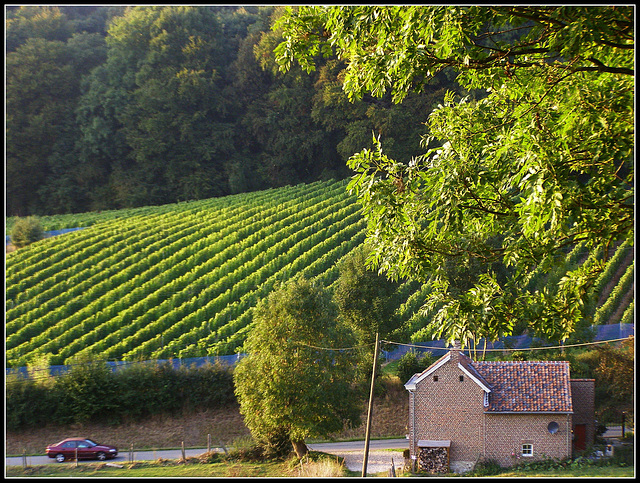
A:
x: 367, y: 437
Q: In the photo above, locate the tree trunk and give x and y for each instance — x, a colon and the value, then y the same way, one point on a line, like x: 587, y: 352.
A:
x: 300, y: 448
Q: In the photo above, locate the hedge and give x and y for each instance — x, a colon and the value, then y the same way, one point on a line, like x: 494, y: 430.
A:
x: 92, y: 391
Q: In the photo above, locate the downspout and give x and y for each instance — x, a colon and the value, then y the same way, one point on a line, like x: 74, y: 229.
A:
x: 485, y: 406
x: 412, y: 432
x: 569, y: 433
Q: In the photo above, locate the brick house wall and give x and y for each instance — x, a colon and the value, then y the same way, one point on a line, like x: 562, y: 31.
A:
x: 448, y: 409
x: 489, y: 410
x: 583, y: 396
x: 508, y: 432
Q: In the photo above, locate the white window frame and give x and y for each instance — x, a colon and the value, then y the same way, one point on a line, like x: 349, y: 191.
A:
x: 526, y: 450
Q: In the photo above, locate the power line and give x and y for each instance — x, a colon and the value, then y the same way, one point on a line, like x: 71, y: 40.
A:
x: 361, y: 346
x: 510, y: 349
x: 38, y: 377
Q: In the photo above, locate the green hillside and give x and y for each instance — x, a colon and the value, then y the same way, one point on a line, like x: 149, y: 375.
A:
x: 181, y: 280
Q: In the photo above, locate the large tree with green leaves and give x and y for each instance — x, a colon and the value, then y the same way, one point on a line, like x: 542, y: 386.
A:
x: 538, y: 157
x: 42, y: 91
x: 366, y: 300
x: 293, y: 381
x: 156, y: 110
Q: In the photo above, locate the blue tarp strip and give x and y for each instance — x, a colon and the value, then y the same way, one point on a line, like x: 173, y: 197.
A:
x: 602, y: 332
x: 51, y: 233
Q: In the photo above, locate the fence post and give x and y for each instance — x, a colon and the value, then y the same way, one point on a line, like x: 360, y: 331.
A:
x: 182, y: 445
x: 209, y: 443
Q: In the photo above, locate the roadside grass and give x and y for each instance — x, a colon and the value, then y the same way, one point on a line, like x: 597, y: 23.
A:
x: 584, y: 472
x: 156, y: 469
x: 318, y: 465
x: 290, y: 468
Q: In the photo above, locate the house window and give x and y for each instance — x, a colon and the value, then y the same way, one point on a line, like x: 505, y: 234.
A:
x: 461, y: 378
x: 435, y: 378
x: 486, y: 400
x: 527, y: 449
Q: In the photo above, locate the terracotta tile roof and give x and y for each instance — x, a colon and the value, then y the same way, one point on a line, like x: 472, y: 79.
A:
x: 466, y: 362
x: 530, y: 386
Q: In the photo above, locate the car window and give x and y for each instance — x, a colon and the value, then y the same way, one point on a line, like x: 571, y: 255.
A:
x: 84, y: 444
x: 91, y: 442
x: 69, y: 444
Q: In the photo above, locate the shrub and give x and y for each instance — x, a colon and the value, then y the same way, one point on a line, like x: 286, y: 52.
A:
x: 410, y: 363
x: 245, y: 449
x: 147, y: 389
x: 87, y: 392
x: 25, y: 231
x: 138, y: 388
x: 623, y: 455
x: 486, y: 467
x: 207, y: 386
x: 91, y: 391
x: 27, y: 402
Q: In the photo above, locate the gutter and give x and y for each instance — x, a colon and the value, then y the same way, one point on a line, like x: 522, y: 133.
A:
x: 528, y: 412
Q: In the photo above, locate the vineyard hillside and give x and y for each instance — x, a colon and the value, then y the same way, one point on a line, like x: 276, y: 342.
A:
x: 181, y: 280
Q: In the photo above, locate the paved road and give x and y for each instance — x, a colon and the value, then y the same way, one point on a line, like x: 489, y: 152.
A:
x: 122, y: 458
x: 351, y: 450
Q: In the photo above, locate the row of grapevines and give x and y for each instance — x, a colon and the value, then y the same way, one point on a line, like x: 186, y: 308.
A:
x: 94, y: 269
x: 309, y: 256
x: 118, y: 219
x: 613, y: 265
x: 48, y: 253
x: 606, y: 310
x: 229, y: 337
x: 78, y: 319
x: 98, y: 308
x: 137, y: 253
x: 274, y: 249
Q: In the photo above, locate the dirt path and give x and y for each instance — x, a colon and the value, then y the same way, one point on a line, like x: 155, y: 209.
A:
x: 378, y: 461
x: 382, y: 454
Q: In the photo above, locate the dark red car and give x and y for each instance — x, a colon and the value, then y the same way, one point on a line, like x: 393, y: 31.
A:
x: 86, y: 449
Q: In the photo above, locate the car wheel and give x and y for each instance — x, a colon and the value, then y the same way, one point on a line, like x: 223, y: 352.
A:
x: 101, y: 456
x: 60, y: 458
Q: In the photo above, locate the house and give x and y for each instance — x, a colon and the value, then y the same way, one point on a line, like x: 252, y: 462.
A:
x: 461, y: 412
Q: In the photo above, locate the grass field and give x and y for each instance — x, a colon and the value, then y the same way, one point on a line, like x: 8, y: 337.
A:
x: 174, y: 469
x: 586, y: 472
x: 317, y: 467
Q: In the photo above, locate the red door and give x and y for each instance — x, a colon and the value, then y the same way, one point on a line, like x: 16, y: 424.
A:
x: 580, y: 437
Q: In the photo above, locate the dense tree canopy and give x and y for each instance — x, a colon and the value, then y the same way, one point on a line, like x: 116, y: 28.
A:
x: 366, y: 300
x: 115, y: 107
x: 536, y: 158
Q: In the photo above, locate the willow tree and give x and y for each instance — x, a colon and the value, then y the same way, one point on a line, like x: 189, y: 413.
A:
x: 294, y: 383
x: 537, y: 158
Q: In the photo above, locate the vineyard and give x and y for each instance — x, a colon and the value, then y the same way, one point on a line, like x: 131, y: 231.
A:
x: 181, y: 280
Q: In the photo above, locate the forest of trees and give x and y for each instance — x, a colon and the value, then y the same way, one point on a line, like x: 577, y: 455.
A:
x: 113, y: 107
